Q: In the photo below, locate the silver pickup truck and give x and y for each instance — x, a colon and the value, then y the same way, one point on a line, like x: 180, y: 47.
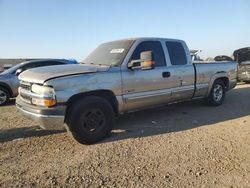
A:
x: 116, y: 78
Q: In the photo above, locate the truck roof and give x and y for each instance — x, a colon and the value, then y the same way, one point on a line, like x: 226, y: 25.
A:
x: 147, y: 38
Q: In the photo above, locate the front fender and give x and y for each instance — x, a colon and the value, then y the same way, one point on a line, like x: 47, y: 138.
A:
x: 66, y: 87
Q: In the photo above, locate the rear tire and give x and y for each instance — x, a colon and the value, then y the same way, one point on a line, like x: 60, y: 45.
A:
x: 90, y: 119
x: 4, y: 96
x: 217, y: 93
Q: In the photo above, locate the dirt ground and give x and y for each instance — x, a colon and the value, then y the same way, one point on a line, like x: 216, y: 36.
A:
x: 180, y: 145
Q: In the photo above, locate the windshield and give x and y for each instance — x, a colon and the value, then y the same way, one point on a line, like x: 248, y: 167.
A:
x: 12, y: 70
x: 112, y: 53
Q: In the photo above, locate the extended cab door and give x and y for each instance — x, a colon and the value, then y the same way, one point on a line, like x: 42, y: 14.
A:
x: 182, y: 70
x: 142, y: 88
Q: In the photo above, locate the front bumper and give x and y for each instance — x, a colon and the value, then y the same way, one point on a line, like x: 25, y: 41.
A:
x: 47, y: 118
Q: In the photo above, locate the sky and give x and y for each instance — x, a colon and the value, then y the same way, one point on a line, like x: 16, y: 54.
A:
x: 72, y: 29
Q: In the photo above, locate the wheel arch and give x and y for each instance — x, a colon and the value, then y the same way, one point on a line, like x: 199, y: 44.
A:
x: 7, y: 87
x: 224, y: 78
x: 105, y: 94
x: 225, y: 81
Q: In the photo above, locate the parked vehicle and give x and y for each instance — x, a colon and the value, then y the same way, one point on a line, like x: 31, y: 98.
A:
x: 116, y: 78
x: 223, y: 58
x: 242, y: 57
x: 9, y: 82
x: 7, y: 66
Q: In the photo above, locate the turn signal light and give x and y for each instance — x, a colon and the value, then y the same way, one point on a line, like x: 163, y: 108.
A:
x: 44, y: 102
x: 49, y: 102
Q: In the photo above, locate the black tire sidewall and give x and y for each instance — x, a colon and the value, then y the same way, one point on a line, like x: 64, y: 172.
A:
x: 74, y: 119
x: 7, y: 95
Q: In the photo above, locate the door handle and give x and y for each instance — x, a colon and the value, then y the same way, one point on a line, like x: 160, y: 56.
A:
x: 166, y: 74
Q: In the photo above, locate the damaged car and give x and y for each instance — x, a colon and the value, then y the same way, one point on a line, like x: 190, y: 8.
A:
x: 242, y: 57
x: 223, y: 58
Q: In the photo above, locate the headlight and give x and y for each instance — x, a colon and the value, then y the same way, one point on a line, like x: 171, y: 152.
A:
x: 43, y: 90
x: 46, y: 95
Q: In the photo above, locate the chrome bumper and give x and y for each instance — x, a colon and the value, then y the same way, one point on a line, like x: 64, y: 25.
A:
x: 50, y: 122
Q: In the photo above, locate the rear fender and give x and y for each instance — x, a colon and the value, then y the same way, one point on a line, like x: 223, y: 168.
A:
x: 219, y: 75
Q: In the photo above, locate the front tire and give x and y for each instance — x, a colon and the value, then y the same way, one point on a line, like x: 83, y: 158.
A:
x: 217, y: 93
x: 4, y: 96
x: 90, y: 119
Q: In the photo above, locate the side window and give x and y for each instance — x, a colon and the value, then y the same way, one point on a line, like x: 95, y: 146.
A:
x: 39, y: 64
x: 155, y: 47
x: 42, y: 64
x: 50, y: 63
x: 29, y: 66
x: 176, y: 53
x: 59, y: 63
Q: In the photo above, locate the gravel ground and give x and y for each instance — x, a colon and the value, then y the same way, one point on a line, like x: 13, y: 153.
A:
x: 181, y: 145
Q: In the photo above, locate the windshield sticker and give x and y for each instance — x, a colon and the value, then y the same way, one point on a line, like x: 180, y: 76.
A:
x: 117, y: 51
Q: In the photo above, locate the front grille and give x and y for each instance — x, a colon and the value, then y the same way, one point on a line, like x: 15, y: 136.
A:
x: 25, y: 86
x: 25, y: 98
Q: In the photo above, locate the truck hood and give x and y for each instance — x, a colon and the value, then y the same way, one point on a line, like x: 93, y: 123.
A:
x: 42, y: 74
x: 242, y: 55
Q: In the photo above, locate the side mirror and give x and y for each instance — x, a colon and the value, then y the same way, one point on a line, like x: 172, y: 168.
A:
x: 18, y: 71
x: 146, y: 61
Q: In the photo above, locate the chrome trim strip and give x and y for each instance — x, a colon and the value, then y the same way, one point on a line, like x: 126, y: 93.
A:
x: 150, y: 95
x: 200, y: 86
x: 184, y: 88
x: 170, y: 91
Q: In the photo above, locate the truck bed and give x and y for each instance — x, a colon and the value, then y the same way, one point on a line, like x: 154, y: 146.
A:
x: 206, y: 73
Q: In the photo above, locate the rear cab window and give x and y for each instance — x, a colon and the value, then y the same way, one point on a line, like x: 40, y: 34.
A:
x: 177, y: 53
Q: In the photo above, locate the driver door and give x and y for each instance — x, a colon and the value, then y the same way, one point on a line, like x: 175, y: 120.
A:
x: 143, y: 88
